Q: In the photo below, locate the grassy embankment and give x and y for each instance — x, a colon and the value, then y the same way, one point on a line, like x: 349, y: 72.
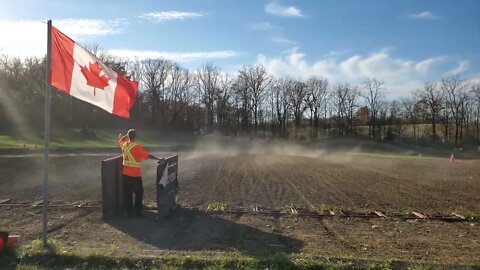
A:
x: 60, y: 256
x: 105, y: 138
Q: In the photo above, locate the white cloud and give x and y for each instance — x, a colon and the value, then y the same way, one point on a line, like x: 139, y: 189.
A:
x: 29, y: 38
x: 174, y: 56
x: 276, y: 33
x: 161, y: 16
x: 280, y: 10
x: 426, y: 15
x: 425, y: 65
x: 475, y: 78
x: 337, y: 53
x: 263, y: 26
x: 462, y: 67
x: 281, y: 40
x: 81, y: 28
x: 400, y: 75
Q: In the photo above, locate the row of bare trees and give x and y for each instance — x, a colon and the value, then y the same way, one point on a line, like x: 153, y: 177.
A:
x: 250, y: 101
x: 452, y: 103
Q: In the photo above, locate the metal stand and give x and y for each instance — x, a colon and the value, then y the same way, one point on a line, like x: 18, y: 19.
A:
x: 167, y: 186
x: 112, y: 187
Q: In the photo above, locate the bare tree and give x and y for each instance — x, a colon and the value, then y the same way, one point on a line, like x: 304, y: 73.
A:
x: 394, y: 119
x: 456, y: 95
x: 476, y: 109
x: 242, y: 103
x: 345, y: 103
x: 256, y: 79
x: 338, y: 98
x: 410, y: 112
x: 225, y: 102
x: 316, y: 97
x: 207, y: 84
x: 374, y: 95
x: 382, y: 117
x: 280, y: 92
x: 297, y: 94
x: 352, y: 106
x: 394, y: 112
x: 430, y: 104
x: 154, y: 77
x: 179, y: 94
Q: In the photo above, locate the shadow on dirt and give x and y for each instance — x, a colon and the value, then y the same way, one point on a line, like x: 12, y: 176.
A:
x: 189, y: 229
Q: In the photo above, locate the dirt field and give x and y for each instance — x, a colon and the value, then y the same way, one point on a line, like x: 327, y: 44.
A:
x: 270, y: 175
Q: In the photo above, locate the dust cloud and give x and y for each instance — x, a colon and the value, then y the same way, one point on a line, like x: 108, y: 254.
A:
x: 72, y: 178
x: 267, y: 149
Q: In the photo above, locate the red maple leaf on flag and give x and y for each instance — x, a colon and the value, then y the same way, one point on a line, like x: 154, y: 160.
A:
x: 93, y: 77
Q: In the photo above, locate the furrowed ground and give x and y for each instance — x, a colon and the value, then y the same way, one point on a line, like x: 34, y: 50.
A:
x: 268, y: 175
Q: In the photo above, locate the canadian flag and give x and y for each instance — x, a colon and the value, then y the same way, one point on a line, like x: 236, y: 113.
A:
x: 79, y: 73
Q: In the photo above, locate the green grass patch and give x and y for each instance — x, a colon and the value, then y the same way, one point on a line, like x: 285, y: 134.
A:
x: 324, y: 208
x: 7, y: 141
x: 54, y: 246
x: 217, y: 206
x: 276, y: 261
x: 55, y: 261
x: 466, y: 214
x: 59, y: 255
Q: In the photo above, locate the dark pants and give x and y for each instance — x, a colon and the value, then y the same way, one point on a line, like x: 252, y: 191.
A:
x: 132, y: 185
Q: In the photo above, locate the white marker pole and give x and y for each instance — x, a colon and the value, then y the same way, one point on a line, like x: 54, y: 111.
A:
x: 46, y: 149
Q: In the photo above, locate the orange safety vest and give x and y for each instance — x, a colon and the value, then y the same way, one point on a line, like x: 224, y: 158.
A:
x: 128, y: 159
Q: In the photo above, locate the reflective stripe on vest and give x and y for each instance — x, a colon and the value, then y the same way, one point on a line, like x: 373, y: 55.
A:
x: 131, y: 162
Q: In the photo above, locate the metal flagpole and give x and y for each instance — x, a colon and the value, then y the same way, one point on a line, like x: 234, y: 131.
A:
x: 46, y: 162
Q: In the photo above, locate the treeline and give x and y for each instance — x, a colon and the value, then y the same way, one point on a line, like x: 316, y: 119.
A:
x: 249, y: 102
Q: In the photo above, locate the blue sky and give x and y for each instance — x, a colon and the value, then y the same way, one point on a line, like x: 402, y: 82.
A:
x: 404, y: 43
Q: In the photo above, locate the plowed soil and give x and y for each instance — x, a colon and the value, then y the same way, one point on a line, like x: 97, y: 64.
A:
x: 360, y: 183
x: 270, y: 177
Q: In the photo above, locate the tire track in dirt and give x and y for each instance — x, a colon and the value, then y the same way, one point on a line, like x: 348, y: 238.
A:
x: 70, y: 221
x: 335, y: 235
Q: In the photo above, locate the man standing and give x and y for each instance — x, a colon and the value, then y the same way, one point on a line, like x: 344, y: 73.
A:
x: 133, y: 154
